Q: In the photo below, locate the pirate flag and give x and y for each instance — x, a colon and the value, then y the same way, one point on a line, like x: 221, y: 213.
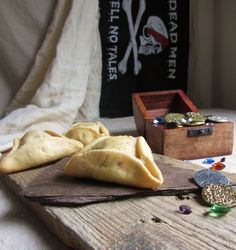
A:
x: 144, y: 47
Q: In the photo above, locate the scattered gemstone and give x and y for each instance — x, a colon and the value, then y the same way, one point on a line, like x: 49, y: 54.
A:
x: 159, y: 120
x: 218, y: 194
x: 217, y: 211
x: 155, y: 121
x: 205, y: 177
x: 218, y: 166
x: 208, y: 161
x: 185, y: 209
x: 222, y: 159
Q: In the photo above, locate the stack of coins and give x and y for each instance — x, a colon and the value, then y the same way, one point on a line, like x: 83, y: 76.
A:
x: 215, y: 187
x: 173, y: 120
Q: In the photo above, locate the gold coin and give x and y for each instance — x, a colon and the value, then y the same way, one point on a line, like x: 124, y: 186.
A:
x: 196, y: 117
x: 174, y: 117
x: 218, y: 194
x: 192, y: 124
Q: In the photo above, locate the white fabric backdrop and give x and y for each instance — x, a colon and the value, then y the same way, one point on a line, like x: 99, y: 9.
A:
x: 69, y: 87
x: 23, y: 25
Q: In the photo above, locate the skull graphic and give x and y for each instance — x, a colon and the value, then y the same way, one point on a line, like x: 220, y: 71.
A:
x: 154, y: 37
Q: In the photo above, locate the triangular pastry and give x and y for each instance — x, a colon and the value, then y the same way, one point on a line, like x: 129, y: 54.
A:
x: 86, y: 132
x: 120, y: 159
x: 36, y: 148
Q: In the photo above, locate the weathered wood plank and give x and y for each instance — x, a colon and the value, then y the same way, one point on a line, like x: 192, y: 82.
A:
x: 51, y: 187
x: 137, y: 223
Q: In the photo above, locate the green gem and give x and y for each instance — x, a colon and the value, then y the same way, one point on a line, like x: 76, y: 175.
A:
x: 218, y: 210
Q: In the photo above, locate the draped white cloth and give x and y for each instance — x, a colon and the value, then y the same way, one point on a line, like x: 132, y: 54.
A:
x: 68, y: 88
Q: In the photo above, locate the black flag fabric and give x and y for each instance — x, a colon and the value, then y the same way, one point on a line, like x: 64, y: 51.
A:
x: 144, y: 47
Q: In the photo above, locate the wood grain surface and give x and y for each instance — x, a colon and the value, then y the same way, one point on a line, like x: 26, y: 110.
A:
x: 53, y: 187
x: 137, y: 223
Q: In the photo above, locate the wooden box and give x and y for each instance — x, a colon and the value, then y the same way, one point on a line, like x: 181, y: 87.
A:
x: 183, y: 143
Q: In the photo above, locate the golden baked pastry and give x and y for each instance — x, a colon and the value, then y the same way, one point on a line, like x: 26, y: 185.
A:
x: 125, y: 160
x: 86, y: 132
x: 36, y: 148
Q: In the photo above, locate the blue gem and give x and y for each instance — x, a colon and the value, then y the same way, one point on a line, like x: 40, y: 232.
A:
x: 155, y: 122
x: 208, y: 161
x: 160, y: 119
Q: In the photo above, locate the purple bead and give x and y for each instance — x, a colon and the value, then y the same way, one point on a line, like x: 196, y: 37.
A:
x: 185, y: 209
x: 222, y: 159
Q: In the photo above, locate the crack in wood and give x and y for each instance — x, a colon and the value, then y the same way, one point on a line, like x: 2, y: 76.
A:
x: 155, y: 219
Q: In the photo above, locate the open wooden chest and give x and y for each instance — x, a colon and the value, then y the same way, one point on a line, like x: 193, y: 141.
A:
x: 183, y: 143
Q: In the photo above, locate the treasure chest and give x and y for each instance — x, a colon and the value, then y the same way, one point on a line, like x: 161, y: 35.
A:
x: 183, y: 142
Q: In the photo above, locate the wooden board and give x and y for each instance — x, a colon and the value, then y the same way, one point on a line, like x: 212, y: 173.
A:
x: 137, y: 223
x: 52, y: 187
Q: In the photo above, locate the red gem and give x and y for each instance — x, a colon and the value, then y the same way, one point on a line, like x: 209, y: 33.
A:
x: 217, y: 166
